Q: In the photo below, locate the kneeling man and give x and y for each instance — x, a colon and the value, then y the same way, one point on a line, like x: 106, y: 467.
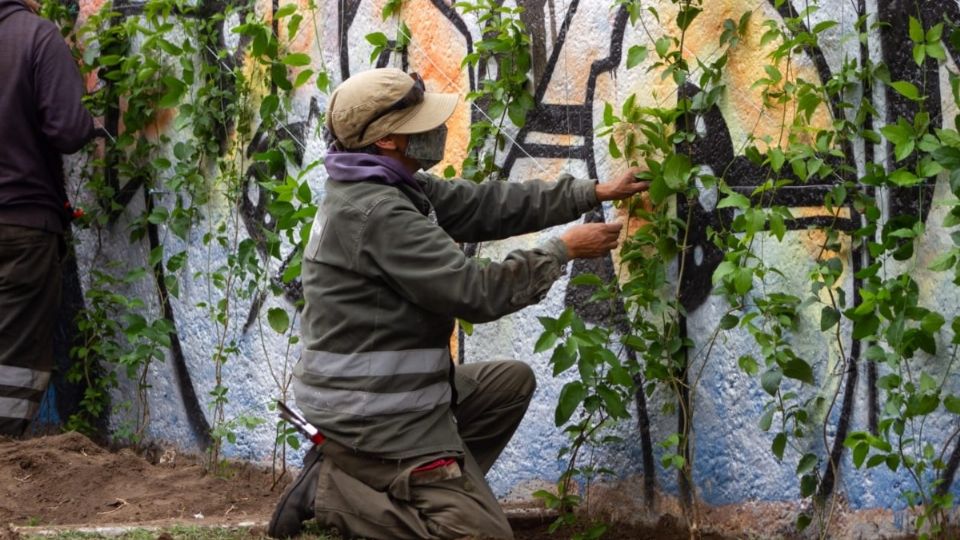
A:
x: 409, y: 435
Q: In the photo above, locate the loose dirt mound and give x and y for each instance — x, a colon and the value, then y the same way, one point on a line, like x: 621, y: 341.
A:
x: 68, y: 479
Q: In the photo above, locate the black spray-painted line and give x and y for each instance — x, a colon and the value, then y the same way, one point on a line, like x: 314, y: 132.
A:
x: 916, y: 202
x: 646, y: 443
x: 69, y: 395
x: 868, y: 156
x: 191, y: 404
x: 347, y: 11
x: 847, y: 411
x: 457, y: 22
x: 894, y: 33
x: 123, y: 195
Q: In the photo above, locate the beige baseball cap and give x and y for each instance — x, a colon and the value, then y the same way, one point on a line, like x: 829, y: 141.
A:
x: 379, y: 102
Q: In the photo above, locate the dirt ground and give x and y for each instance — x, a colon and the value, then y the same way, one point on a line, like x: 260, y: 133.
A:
x: 69, y: 480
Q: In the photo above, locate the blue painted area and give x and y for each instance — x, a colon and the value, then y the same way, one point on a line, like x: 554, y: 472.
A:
x: 48, y: 414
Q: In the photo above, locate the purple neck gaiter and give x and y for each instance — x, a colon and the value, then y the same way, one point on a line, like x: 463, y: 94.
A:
x: 362, y: 167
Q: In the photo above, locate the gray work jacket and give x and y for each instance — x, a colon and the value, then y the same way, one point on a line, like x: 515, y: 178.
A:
x: 383, y: 280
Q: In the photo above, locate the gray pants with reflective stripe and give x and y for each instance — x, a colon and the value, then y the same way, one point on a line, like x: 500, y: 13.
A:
x: 373, y: 498
x: 29, y: 301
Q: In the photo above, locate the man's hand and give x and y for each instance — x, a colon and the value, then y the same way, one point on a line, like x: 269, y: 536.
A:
x: 589, y: 240
x: 621, y: 188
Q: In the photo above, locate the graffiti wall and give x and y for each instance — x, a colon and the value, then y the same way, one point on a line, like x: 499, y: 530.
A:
x: 579, y: 54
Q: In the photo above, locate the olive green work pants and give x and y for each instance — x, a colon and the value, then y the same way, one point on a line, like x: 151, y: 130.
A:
x: 29, y: 299
x: 373, y: 498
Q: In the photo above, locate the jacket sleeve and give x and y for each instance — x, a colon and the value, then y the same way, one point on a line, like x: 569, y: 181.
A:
x: 422, y: 263
x: 58, y: 90
x: 471, y: 212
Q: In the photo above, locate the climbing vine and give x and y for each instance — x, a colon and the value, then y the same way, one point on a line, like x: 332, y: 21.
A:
x: 820, y: 125
x: 194, y: 181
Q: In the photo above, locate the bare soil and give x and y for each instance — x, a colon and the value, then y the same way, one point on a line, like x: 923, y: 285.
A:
x: 667, y: 528
x: 69, y: 480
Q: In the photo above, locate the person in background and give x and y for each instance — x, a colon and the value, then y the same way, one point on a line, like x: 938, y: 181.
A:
x: 410, y: 436
x: 41, y: 117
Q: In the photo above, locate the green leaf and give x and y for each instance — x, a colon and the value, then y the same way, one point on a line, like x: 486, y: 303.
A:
x: 173, y: 91
x: 676, y: 171
x: 302, y: 78
x: 804, y: 520
x: 952, y: 404
x: 798, y: 369
x: 278, y: 75
x: 546, y: 341
x: 591, y: 280
x: 766, y: 420
x: 613, y: 402
x: 571, y: 396
x: 377, y: 39
x: 296, y: 59
x: 749, y: 365
x: 808, y: 485
x: 916, y: 31
x: 777, y: 159
x: 904, y: 178
x: 906, y: 89
x: 898, y: 133
x: 608, y: 118
x: 286, y: 10
x: 807, y: 463
x: 829, y: 316
x: 663, y: 46
x: 278, y: 320
x: 824, y: 26
x: 734, y: 199
x: 728, y: 321
x: 865, y: 327
x: 932, y: 322
x: 724, y: 269
x: 778, y: 445
x: 659, y: 191
x: 919, y: 54
x: 686, y: 17
x: 743, y: 281
x: 269, y: 105
x: 770, y: 381
x: 614, y: 149
x: 563, y: 358
x: 860, y: 452
x: 323, y: 81
x: 636, y: 55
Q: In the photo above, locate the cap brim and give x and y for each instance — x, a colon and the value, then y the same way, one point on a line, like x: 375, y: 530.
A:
x: 432, y: 112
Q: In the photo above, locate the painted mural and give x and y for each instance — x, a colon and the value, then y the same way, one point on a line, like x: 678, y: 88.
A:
x: 578, y: 51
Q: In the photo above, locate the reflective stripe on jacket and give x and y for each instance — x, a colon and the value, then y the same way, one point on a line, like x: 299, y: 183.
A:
x: 383, y: 280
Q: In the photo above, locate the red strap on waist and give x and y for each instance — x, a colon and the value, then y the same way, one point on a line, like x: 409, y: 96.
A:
x: 442, y: 462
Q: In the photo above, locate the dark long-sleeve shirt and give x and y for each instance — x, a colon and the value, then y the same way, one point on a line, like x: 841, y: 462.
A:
x: 41, y: 117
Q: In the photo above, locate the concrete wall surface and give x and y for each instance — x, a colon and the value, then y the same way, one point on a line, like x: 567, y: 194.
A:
x: 579, y: 49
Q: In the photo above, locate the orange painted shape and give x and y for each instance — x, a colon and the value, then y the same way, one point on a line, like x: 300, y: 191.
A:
x: 435, y: 53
